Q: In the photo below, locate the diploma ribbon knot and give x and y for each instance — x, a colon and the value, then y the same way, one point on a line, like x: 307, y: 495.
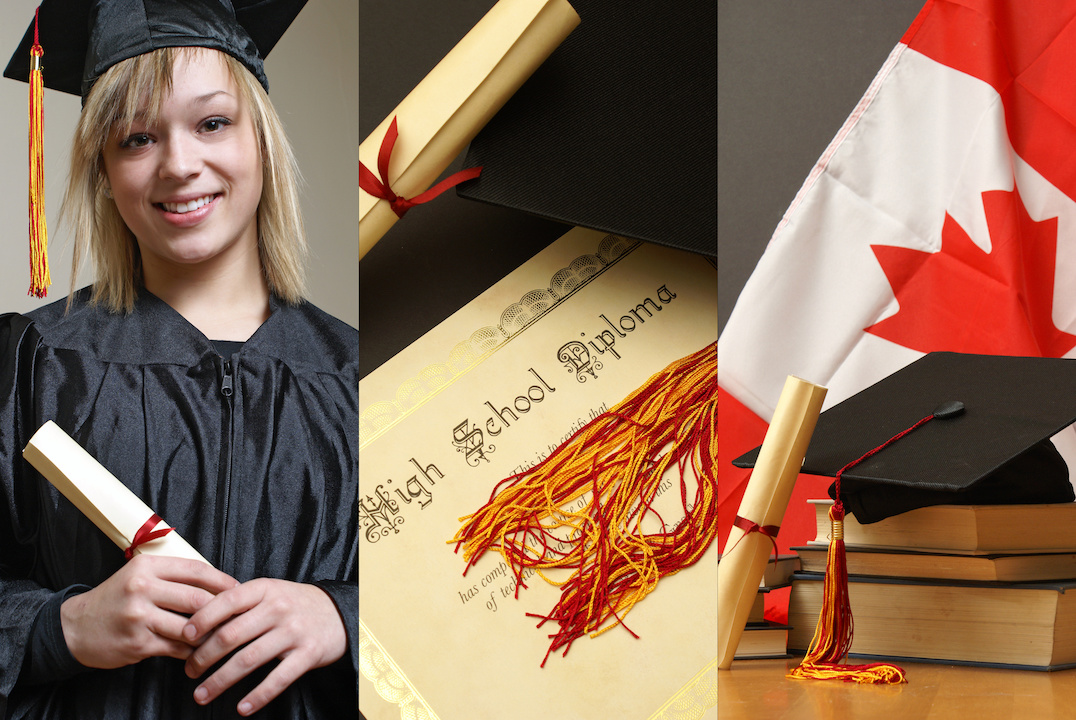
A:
x: 145, y: 534
x: 381, y: 189
x: 749, y: 526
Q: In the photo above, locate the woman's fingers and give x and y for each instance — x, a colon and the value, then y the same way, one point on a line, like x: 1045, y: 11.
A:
x: 260, y: 621
x: 290, y: 669
x: 223, y: 626
x: 139, y: 611
x: 188, y: 572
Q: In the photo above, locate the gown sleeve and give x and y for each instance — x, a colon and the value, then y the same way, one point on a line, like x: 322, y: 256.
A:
x: 22, y: 599
x: 345, y: 593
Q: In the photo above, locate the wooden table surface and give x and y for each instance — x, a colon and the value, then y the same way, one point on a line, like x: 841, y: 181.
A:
x: 759, y: 690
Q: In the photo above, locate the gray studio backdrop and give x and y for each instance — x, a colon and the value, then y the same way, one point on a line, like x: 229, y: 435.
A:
x: 789, y: 73
x: 313, y: 78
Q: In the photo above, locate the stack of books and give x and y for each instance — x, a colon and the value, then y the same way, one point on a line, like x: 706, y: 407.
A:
x: 976, y: 584
x: 764, y: 638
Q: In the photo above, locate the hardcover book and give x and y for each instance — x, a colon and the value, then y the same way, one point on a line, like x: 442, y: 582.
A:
x: 1027, y: 625
x: 909, y: 563
x: 489, y: 393
x: 965, y: 529
x: 762, y: 639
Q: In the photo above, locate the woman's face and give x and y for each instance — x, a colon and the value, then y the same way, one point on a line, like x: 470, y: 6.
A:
x: 188, y: 186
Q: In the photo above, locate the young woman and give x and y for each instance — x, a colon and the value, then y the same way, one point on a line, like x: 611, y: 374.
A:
x: 194, y: 371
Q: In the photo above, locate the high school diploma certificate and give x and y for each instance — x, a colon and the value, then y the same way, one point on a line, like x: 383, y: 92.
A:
x: 489, y: 393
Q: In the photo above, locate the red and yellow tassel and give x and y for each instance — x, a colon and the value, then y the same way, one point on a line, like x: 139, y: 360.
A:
x: 39, y: 238
x: 832, y: 639
x: 582, y: 508
x: 833, y: 634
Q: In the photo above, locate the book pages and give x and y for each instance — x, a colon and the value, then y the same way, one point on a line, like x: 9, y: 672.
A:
x: 96, y: 492
x: 489, y: 393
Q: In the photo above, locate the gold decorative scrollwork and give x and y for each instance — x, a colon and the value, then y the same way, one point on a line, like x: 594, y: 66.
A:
x: 388, y: 680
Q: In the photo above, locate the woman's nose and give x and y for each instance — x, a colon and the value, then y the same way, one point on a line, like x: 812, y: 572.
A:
x: 181, y: 157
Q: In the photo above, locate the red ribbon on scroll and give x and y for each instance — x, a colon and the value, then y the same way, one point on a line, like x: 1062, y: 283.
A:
x: 380, y: 188
x: 749, y: 526
x: 145, y: 534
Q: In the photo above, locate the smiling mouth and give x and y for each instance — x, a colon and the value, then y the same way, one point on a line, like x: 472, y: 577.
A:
x: 186, y: 207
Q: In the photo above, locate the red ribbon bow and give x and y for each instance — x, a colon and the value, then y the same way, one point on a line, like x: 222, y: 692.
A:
x: 380, y: 188
x: 749, y: 526
x: 145, y: 534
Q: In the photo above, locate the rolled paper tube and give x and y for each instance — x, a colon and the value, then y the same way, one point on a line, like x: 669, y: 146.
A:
x: 457, y: 98
x: 96, y: 492
x: 764, y: 503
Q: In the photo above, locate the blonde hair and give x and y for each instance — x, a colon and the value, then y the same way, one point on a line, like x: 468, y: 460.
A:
x: 140, y: 84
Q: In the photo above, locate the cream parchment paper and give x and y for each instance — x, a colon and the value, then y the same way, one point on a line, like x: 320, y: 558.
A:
x: 764, y: 503
x: 98, y: 494
x: 485, y: 394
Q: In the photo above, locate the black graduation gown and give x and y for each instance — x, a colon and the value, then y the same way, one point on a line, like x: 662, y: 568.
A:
x: 253, y: 459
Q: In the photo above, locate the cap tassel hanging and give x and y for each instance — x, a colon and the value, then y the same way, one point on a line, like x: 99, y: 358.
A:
x: 833, y: 635
x: 582, y: 508
x: 39, y: 239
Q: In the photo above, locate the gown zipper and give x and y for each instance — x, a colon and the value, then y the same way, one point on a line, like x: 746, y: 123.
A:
x: 226, y: 381
x: 228, y: 428
x: 226, y: 391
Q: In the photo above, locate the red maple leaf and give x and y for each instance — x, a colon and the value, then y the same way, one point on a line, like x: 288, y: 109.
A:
x: 962, y: 299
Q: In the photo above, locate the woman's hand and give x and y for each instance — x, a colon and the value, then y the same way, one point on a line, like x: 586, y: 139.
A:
x: 140, y: 611
x: 295, y: 622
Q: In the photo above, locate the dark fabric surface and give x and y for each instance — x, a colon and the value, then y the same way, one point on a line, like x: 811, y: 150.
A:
x: 1039, y: 475
x: 262, y: 482
x: 617, y: 129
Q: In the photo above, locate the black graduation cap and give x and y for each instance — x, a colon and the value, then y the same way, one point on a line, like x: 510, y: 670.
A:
x: 995, y: 449
x: 617, y: 129
x: 84, y: 38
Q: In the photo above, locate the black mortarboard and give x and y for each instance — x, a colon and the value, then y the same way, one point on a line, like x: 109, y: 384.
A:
x: 617, y: 130
x: 997, y: 451
x: 84, y: 38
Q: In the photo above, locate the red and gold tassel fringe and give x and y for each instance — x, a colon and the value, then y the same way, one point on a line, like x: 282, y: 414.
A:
x: 833, y: 634
x: 39, y: 238
x: 613, y: 469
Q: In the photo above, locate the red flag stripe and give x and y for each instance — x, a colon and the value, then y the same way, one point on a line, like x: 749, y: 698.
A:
x: 1027, y: 57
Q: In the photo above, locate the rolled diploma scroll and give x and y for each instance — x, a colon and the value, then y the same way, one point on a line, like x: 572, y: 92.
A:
x: 457, y: 98
x: 95, y: 491
x: 764, y: 502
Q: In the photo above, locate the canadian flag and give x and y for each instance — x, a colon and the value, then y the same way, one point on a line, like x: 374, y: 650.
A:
x: 941, y: 217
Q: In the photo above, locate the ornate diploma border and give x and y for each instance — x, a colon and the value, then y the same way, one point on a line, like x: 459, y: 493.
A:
x: 698, y: 695
x: 467, y: 354
x: 389, y: 680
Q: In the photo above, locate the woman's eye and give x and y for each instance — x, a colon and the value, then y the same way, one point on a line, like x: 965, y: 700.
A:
x: 215, y: 124
x: 135, y: 141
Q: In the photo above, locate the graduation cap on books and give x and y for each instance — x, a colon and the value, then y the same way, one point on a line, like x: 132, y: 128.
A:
x: 617, y: 130
x: 986, y: 442
x: 948, y: 429
x: 71, y: 43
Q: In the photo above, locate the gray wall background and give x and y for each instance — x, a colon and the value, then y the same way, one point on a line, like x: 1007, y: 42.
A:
x: 313, y: 78
x: 789, y: 73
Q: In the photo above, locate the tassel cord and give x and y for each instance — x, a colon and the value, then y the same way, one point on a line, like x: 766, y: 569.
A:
x: 480, y: 527
x: 40, y: 278
x: 834, y: 631
x: 535, y: 518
